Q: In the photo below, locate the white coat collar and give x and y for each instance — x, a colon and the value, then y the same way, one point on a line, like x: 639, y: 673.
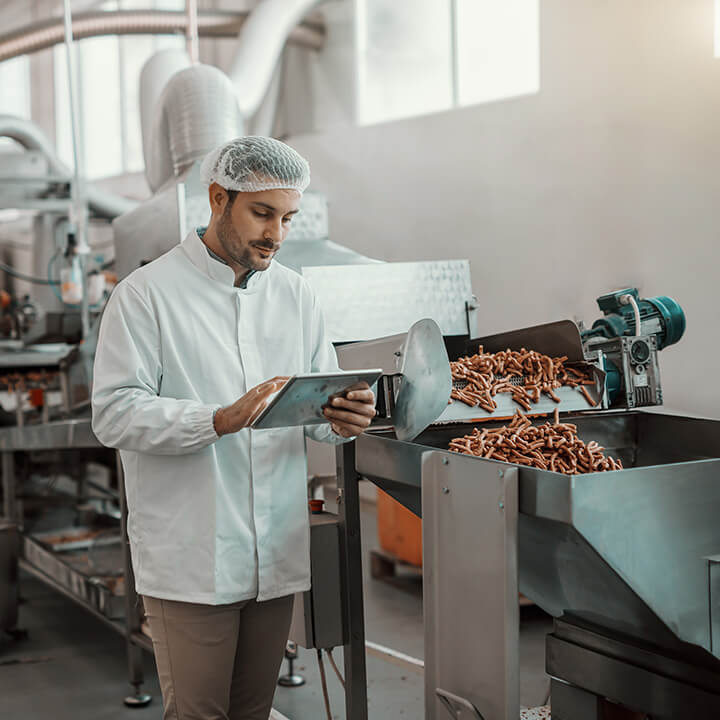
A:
x: 196, y: 250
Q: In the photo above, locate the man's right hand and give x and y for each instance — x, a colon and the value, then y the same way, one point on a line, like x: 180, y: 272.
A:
x: 241, y: 413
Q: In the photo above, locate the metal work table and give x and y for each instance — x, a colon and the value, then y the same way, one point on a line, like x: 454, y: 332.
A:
x: 626, y: 561
x: 68, y: 435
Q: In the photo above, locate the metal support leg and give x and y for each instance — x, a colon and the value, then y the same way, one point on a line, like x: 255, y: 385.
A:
x: 470, y: 588
x: 351, y: 584
x: 9, y: 487
x: 572, y: 703
x: 132, y: 608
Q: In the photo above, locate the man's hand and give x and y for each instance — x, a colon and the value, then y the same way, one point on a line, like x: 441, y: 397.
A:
x: 242, y: 412
x: 351, y: 415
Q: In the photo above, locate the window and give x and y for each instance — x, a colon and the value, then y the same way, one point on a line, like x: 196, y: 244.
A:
x: 432, y: 55
x: 404, y: 63
x: 498, y: 49
x: 108, y: 89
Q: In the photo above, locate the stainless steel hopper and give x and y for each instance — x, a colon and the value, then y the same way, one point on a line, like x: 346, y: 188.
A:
x: 627, y: 561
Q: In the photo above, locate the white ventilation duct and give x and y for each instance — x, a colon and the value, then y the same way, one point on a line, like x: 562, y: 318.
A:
x: 199, y: 107
x: 197, y: 111
x: 154, y: 76
x: 260, y: 43
x: 23, y: 131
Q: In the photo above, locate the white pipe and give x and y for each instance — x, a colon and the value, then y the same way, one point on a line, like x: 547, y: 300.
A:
x: 102, y: 203
x: 196, y: 112
x: 211, y: 23
x: 630, y: 300
x: 260, y: 43
x: 154, y: 76
x: 76, y: 188
x: 191, y: 31
x: 79, y: 214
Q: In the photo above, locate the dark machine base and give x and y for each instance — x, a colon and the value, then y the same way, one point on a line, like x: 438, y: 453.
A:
x: 17, y: 634
x: 587, y: 667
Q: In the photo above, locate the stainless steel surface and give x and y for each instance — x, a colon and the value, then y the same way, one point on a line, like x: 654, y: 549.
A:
x: 470, y: 590
x: 385, y: 353
x: 75, y: 433
x: 74, y: 572
x: 456, y: 705
x: 301, y: 399
x: 426, y: 380
x: 362, y: 302
x: 570, y: 401
x: 215, y: 23
x: 555, y: 339
x: 714, y: 582
x: 317, y: 613
x: 36, y: 357
x: 8, y: 575
x: 624, y: 550
x: 608, y: 673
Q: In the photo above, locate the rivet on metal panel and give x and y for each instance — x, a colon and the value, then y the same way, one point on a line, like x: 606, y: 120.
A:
x: 445, y: 461
x: 501, y: 504
x: 446, y: 490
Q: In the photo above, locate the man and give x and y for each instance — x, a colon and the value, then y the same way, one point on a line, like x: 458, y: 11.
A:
x: 217, y: 512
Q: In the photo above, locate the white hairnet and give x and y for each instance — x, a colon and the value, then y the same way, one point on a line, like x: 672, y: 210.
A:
x: 254, y: 163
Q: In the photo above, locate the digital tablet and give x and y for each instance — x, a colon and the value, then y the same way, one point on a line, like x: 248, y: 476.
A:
x: 302, y: 399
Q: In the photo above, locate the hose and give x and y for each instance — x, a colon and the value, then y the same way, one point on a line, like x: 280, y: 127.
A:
x: 335, y: 667
x: 215, y: 23
x: 28, y: 278
x: 630, y: 300
x: 323, y: 681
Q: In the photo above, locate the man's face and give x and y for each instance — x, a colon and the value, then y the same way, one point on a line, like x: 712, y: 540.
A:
x: 252, y: 228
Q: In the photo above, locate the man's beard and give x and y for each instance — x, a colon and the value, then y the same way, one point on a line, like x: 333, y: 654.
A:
x: 226, y: 234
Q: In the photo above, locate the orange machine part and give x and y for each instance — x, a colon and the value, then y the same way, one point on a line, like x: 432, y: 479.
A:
x: 399, y: 530
x: 37, y: 397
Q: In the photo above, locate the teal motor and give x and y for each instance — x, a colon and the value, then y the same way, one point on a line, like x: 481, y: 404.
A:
x: 660, y: 317
x: 630, y: 356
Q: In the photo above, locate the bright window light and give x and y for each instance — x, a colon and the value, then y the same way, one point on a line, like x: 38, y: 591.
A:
x: 404, y: 58
x: 498, y: 49
x: 717, y: 28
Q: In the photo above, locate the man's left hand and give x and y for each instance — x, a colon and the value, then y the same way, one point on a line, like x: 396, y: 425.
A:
x: 351, y: 415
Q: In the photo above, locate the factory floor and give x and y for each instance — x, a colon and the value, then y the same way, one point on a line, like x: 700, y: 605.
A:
x: 73, y: 667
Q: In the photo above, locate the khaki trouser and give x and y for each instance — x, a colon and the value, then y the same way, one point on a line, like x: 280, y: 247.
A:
x: 218, y: 662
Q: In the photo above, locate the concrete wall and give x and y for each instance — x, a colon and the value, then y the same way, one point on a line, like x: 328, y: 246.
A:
x: 609, y: 177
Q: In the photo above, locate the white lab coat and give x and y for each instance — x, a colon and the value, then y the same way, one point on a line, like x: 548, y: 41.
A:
x: 210, y: 520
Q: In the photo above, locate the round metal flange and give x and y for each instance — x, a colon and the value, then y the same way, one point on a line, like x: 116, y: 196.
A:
x: 139, y: 700
x: 426, y: 380
x: 291, y: 680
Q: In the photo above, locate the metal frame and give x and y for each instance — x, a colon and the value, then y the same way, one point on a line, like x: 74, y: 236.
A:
x: 76, y: 434
x: 473, y: 506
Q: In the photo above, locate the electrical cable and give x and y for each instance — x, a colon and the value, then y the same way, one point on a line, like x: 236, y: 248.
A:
x: 29, y: 278
x: 323, y: 681
x: 335, y: 667
x: 636, y: 312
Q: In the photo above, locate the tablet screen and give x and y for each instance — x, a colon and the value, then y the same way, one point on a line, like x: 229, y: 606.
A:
x: 302, y: 399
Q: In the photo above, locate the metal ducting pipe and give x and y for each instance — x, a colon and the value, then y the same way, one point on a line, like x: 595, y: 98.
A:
x: 214, y: 23
x: 196, y: 112
x: 260, y: 43
x: 101, y: 203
